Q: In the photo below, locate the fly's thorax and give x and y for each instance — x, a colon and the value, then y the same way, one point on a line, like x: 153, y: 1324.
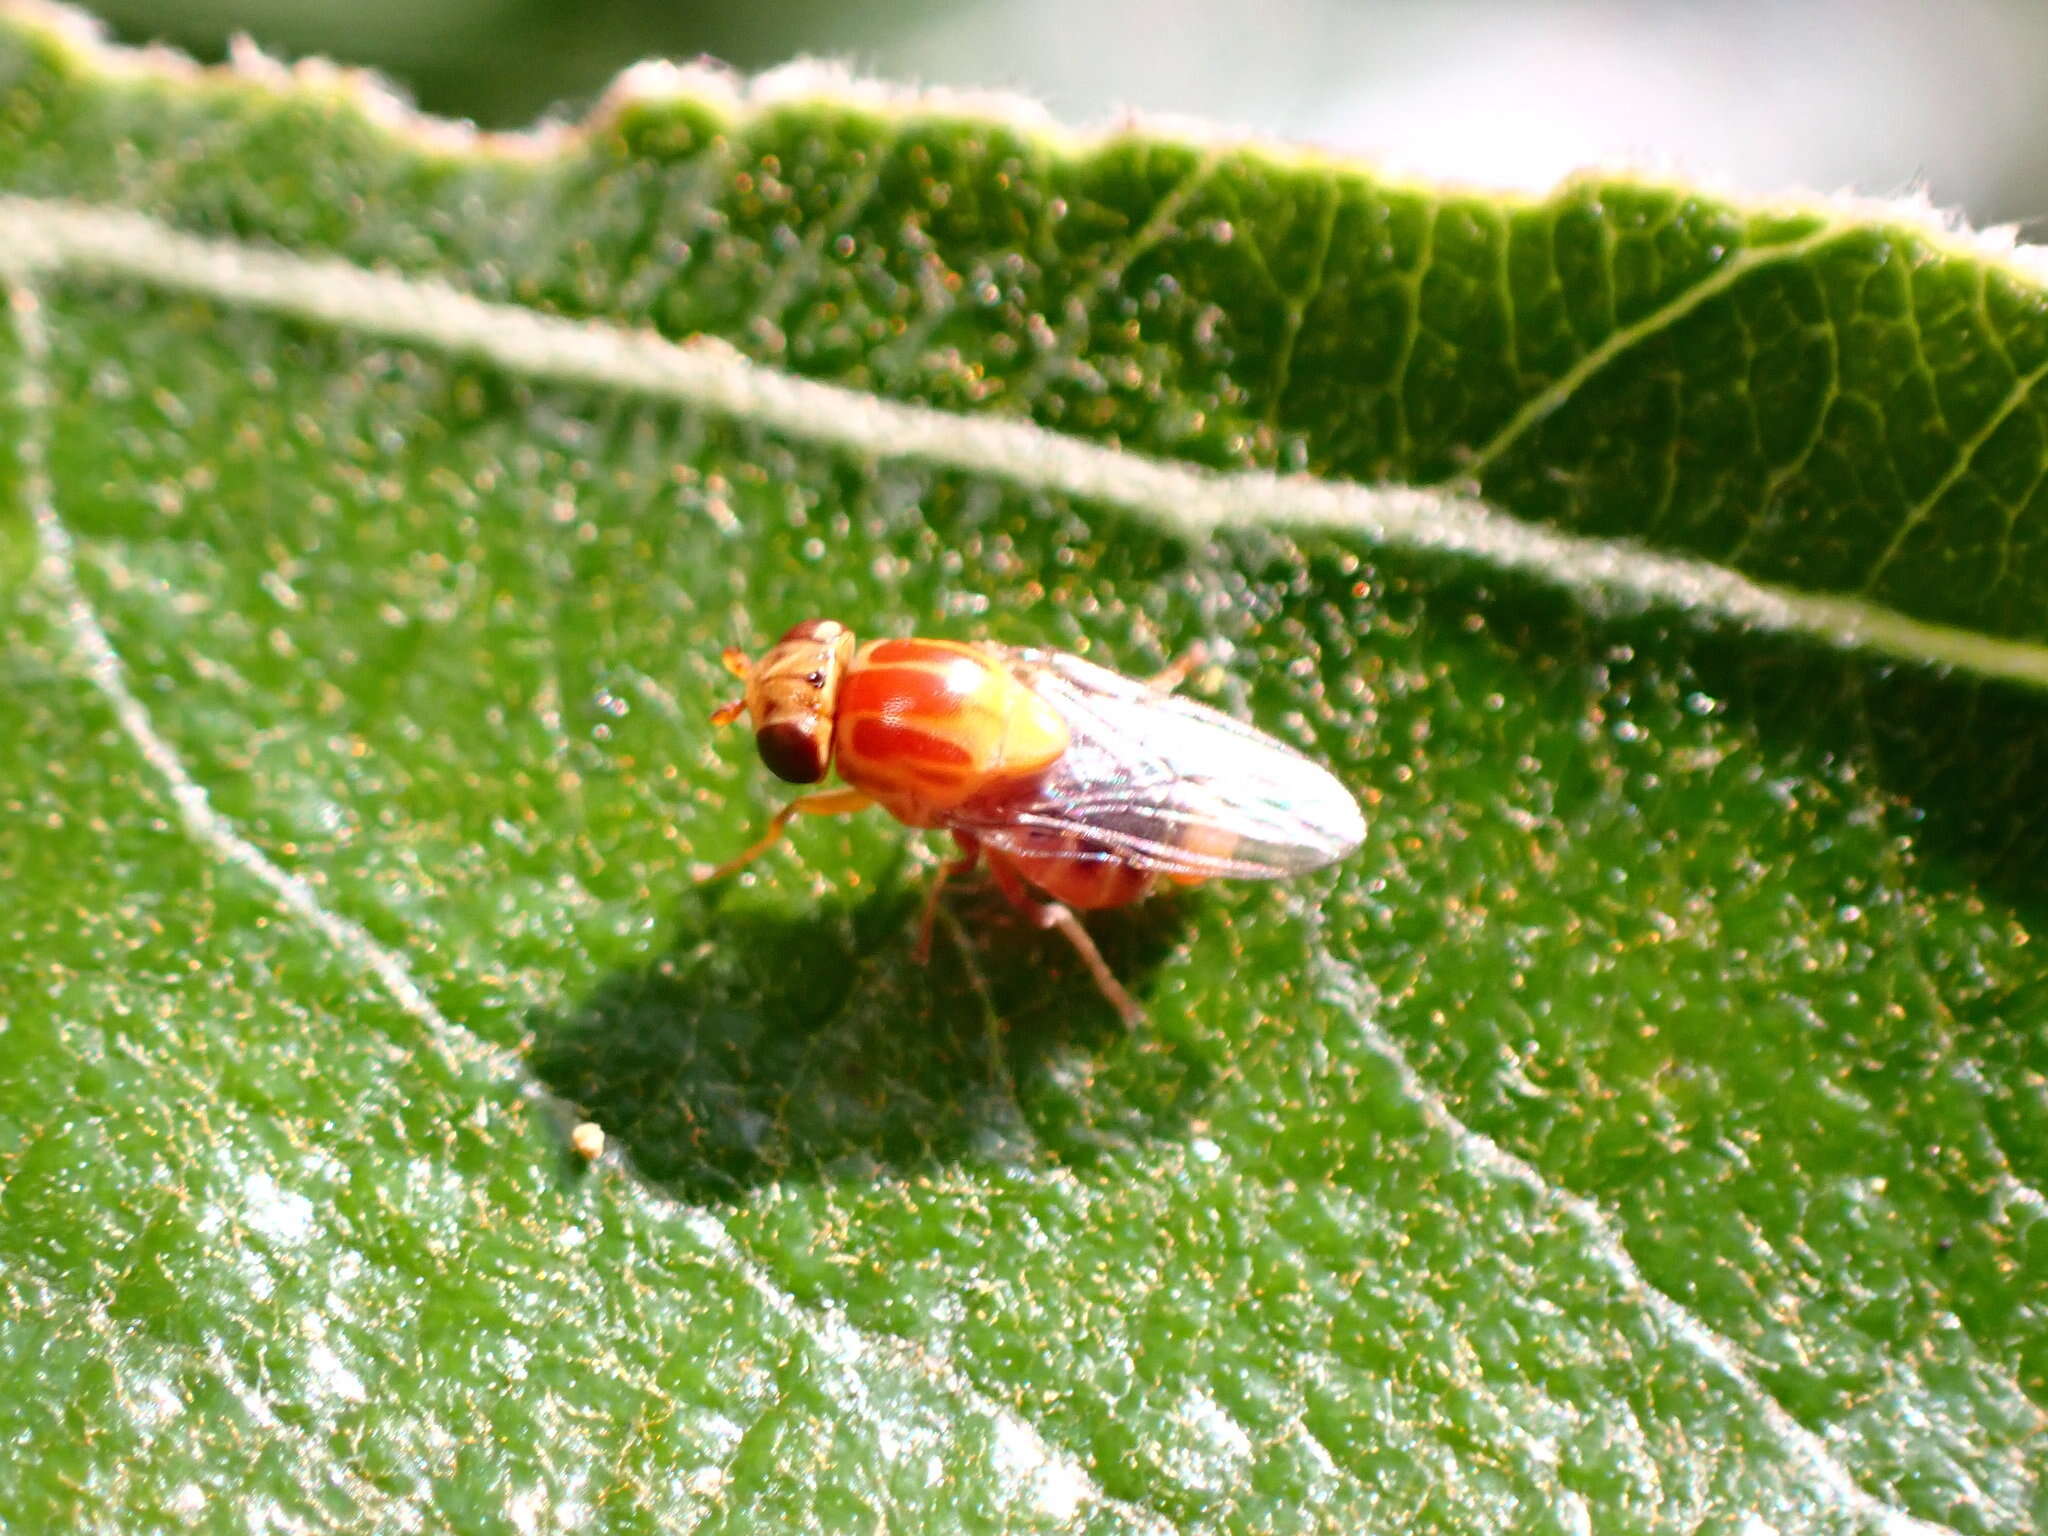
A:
x: 793, y: 695
x: 924, y: 724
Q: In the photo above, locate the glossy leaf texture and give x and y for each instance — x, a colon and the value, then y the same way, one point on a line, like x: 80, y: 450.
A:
x: 1646, y: 1130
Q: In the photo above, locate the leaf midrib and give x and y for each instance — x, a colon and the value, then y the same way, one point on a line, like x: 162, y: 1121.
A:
x: 41, y: 238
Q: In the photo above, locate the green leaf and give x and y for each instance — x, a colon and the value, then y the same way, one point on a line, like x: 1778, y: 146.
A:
x: 1647, y: 1129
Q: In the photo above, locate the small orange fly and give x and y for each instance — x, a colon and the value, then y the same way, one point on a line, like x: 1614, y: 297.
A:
x: 1064, y: 775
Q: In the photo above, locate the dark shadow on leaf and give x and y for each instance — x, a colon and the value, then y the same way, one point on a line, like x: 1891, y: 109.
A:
x: 776, y: 1042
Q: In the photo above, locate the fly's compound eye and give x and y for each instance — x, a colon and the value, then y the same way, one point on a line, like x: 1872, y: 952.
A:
x: 792, y: 695
x: 797, y: 750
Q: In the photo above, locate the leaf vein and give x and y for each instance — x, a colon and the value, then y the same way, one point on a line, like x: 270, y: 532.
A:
x: 1186, y: 500
x: 1071, y: 341
x: 1625, y: 338
x: 1298, y: 304
x: 1604, y: 1243
x: 1966, y: 453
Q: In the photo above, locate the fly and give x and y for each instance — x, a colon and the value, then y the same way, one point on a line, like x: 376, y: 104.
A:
x: 1069, y: 779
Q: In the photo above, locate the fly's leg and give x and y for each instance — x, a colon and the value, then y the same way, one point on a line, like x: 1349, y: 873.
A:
x: 832, y: 802
x: 1051, y: 914
x: 1177, y: 673
x: 970, y: 854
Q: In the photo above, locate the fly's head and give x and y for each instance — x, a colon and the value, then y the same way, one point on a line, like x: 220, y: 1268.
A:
x: 792, y: 693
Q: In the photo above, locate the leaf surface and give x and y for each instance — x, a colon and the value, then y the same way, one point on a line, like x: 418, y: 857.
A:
x: 1645, y: 1130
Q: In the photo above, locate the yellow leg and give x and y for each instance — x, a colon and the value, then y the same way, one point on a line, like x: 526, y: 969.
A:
x: 831, y: 802
x: 970, y: 854
x: 1052, y: 914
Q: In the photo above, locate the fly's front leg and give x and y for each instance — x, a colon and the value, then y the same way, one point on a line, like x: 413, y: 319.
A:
x: 832, y: 802
x: 1052, y: 914
x: 970, y: 854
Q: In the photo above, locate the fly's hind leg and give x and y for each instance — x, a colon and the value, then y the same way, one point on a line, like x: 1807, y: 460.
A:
x: 832, y: 802
x: 970, y: 855
x: 1051, y: 914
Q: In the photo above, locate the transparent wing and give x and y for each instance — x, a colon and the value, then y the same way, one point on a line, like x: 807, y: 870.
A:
x: 1163, y: 783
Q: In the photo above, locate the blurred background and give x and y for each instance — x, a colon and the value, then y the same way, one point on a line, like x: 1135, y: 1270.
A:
x: 1753, y: 95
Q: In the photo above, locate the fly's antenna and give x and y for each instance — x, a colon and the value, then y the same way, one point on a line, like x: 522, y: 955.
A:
x: 734, y: 660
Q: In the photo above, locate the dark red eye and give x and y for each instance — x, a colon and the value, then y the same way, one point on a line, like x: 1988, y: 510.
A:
x: 792, y: 750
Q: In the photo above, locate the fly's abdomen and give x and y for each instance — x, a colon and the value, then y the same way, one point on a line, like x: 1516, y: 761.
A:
x: 1070, y: 869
